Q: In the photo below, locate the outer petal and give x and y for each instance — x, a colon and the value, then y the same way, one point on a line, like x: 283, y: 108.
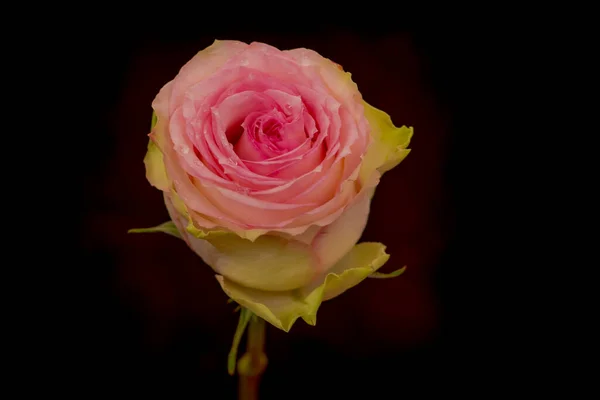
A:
x: 203, y: 65
x: 282, y: 309
x: 389, y: 145
x: 268, y: 263
x: 360, y: 262
x: 156, y: 172
x: 335, y: 240
x: 155, y: 168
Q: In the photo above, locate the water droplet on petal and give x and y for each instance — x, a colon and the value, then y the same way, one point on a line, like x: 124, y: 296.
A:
x: 304, y: 60
x: 242, y: 189
x: 183, y: 149
x: 196, y: 162
x: 244, y: 61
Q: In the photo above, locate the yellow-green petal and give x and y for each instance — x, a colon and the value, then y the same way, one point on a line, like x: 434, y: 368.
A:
x: 389, y: 144
x: 269, y: 263
x: 282, y: 309
x: 251, y: 234
x: 156, y: 172
x: 155, y: 167
x: 363, y: 260
x: 154, y: 120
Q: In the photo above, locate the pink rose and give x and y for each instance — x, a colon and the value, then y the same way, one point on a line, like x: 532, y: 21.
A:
x: 268, y: 160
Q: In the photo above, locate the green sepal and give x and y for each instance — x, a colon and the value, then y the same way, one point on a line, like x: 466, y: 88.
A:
x: 383, y: 275
x: 245, y: 316
x: 168, y: 227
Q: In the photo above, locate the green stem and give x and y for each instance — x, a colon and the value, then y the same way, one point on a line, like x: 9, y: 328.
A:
x: 253, y: 363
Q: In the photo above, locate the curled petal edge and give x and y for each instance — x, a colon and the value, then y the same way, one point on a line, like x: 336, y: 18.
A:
x: 155, y: 166
x: 282, y: 309
x: 389, y: 145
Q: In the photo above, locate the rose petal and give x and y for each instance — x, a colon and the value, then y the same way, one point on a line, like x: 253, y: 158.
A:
x: 204, y: 64
x: 266, y: 167
x: 154, y: 164
x: 323, y: 110
x: 349, y: 137
x: 338, y: 82
x: 335, y: 240
x: 290, y: 104
x: 255, y: 144
x: 293, y: 131
x: 268, y: 263
x: 161, y: 102
x: 248, y: 210
x: 182, y: 184
x: 188, y: 158
x: 233, y: 110
x: 242, y: 178
x: 309, y: 163
x: 360, y: 262
x: 283, y: 308
x: 323, y: 187
x: 267, y: 59
x: 325, y: 213
x: 293, y: 188
x: 389, y: 143
x: 232, y: 166
x: 330, y: 211
x: 155, y: 168
x: 251, y: 80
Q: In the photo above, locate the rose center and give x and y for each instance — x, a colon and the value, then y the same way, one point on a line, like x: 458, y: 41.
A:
x: 271, y: 129
x: 268, y: 133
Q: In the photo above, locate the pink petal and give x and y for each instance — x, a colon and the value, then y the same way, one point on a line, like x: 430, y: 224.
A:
x: 290, y: 104
x: 311, y: 160
x: 349, y: 136
x: 203, y: 65
x: 324, y: 186
x: 291, y: 190
x: 250, y: 211
x: 336, y: 239
x: 234, y: 109
x: 316, y: 104
x: 183, y: 148
x: 266, y: 167
x: 250, y: 146
x: 193, y: 199
x: 267, y: 59
x: 160, y: 104
x: 251, y: 80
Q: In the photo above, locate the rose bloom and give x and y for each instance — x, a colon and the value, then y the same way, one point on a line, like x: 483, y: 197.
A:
x: 268, y: 161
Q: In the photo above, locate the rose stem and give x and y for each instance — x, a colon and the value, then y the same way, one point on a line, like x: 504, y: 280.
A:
x: 255, y: 352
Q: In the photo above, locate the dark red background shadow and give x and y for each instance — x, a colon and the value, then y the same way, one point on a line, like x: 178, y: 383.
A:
x: 159, y: 318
